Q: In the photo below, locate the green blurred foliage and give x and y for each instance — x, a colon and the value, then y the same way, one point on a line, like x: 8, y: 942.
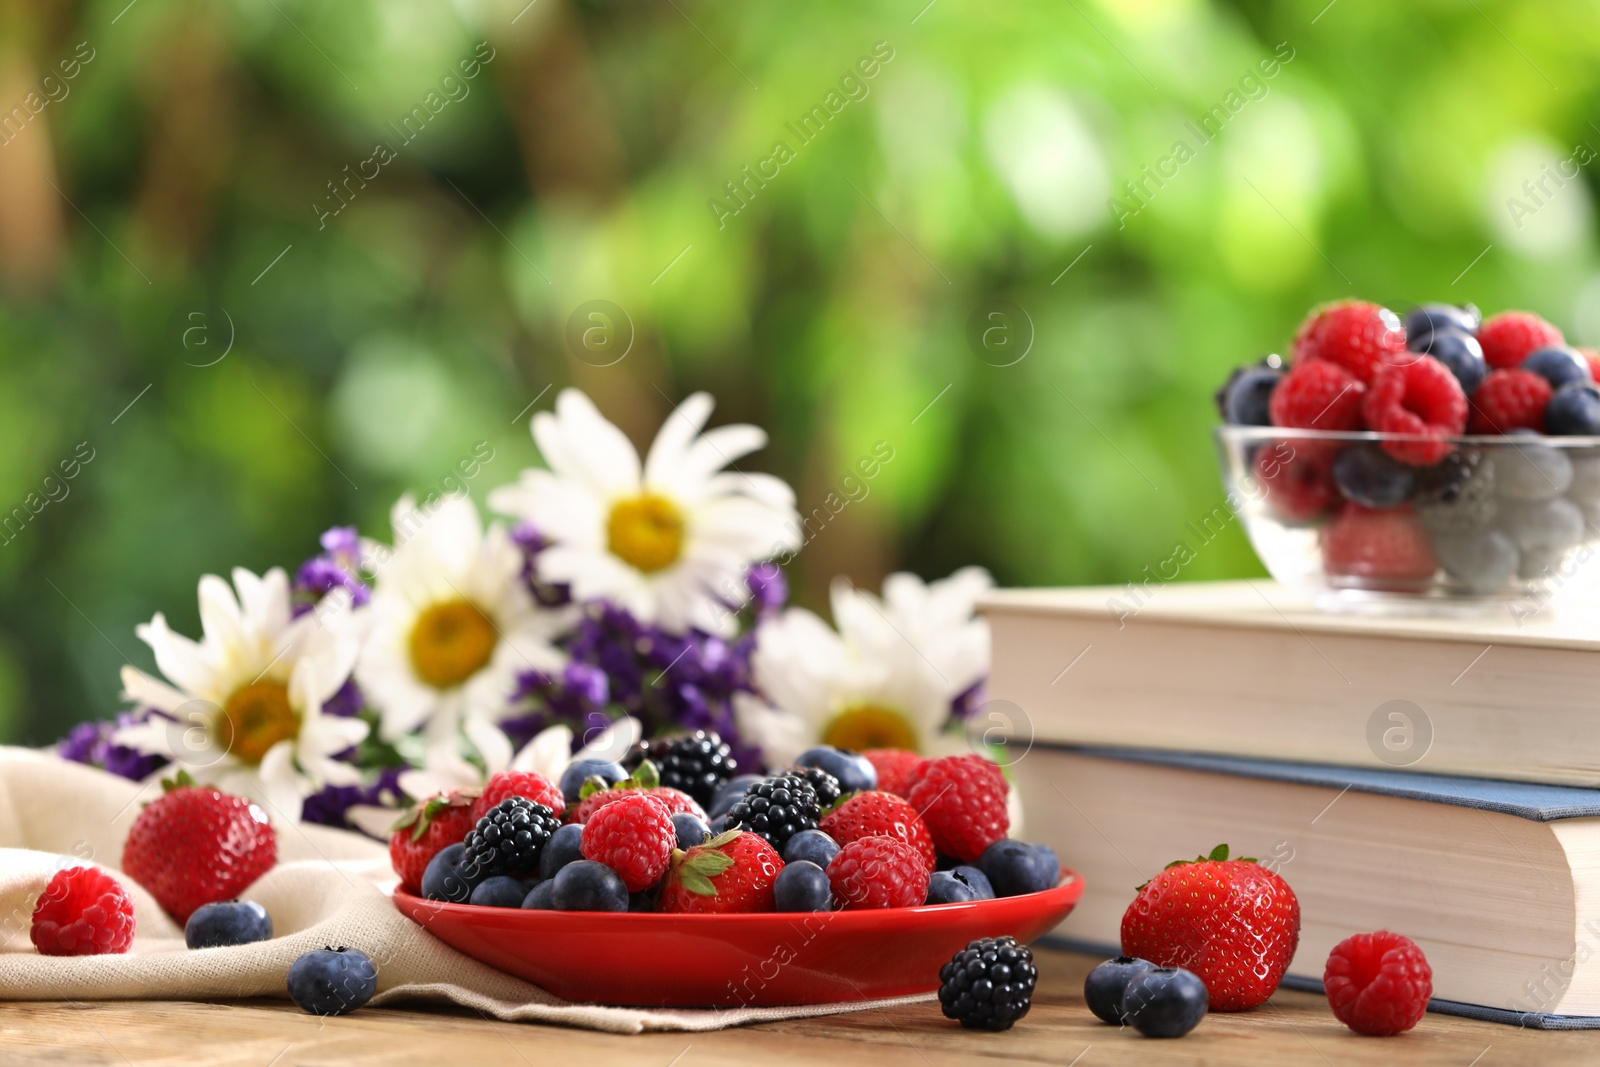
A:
x: 193, y: 166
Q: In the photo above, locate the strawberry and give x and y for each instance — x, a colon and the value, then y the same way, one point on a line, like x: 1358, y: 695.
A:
x: 428, y: 827
x: 732, y: 872
x: 1232, y: 922
x: 896, y: 766
x: 879, y: 814
x: 596, y: 795
x: 528, y: 784
x: 195, y: 845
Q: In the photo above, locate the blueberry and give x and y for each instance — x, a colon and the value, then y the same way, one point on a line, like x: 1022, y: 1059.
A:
x: 573, y: 777
x: 447, y: 876
x: 802, y: 886
x: 1558, y: 365
x: 1574, y: 410
x: 585, y: 885
x: 719, y: 825
x: 1482, y: 560
x: 730, y: 791
x: 1104, y: 987
x: 538, y: 898
x: 501, y: 891
x: 1585, y: 474
x: 691, y: 830
x: 562, y: 848
x: 855, y: 772
x: 227, y: 922
x: 1426, y: 319
x: 959, y: 886
x: 1370, y: 477
x: 813, y: 846
x: 1531, y: 471
x: 1016, y: 867
x: 642, y: 901
x: 1165, y: 1002
x: 332, y: 981
x: 1244, y: 398
x: 1543, y: 531
x: 1461, y: 353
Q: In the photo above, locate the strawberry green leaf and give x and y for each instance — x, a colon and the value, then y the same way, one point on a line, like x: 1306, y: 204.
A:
x: 727, y: 837
x: 646, y: 776
x: 181, y: 780
x: 1218, y: 854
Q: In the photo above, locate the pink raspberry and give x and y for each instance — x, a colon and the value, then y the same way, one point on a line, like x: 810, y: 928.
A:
x: 1420, y: 399
x: 1509, y: 400
x: 879, y: 814
x: 632, y: 835
x: 963, y: 801
x: 82, y: 912
x: 530, y: 785
x: 878, y: 872
x: 1378, y: 984
x: 1509, y: 337
x: 1317, y: 396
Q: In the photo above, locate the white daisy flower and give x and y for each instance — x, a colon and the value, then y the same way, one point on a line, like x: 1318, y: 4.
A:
x: 886, y: 679
x: 246, y: 701
x: 453, y: 623
x: 670, y: 541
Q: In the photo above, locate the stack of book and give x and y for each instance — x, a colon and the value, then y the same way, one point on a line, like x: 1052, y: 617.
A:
x: 1438, y: 777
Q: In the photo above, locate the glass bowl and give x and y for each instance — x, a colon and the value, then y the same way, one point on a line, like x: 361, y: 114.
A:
x: 1391, y: 517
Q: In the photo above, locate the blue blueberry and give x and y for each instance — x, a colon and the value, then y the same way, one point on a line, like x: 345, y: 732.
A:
x: 959, y: 886
x: 691, y: 830
x: 1244, y: 398
x: 539, y: 897
x: 448, y: 876
x: 227, y: 922
x: 1574, y: 410
x: 855, y: 772
x: 642, y: 901
x: 588, y: 886
x: 1543, y: 531
x: 802, y: 886
x: 573, y: 777
x: 1164, y: 1002
x: 814, y: 846
x: 1530, y: 471
x: 1558, y: 365
x: 501, y: 891
x: 332, y: 981
x: 563, y: 847
x: 1016, y: 867
x: 1462, y: 354
x: 1426, y: 319
x: 719, y: 825
x: 1104, y: 987
x: 1371, y: 477
x: 730, y: 791
x: 1481, y: 560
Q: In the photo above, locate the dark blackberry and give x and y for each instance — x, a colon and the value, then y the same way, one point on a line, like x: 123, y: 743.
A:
x: 825, y: 785
x: 1457, y: 495
x: 509, y: 839
x: 694, y: 763
x: 777, y: 808
x: 989, y: 984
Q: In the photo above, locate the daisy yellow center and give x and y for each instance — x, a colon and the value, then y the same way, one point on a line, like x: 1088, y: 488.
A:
x: 259, y: 716
x: 646, y: 532
x: 450, y: 642
x: 867, y: 726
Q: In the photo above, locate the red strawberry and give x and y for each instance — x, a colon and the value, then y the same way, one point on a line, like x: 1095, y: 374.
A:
x: 1591, y: 357
x: 644, y: 780
x: 1297, y: 485
x: 895, y: 766
x: 879, y: 814
x: 1422, y: 399
x: 963, y: 801
x: 428, y: 827
x: 1388, y: 545
x: 527, y: 784
x: 632, y: 835
x: 878, y: 872
x: 1508, y: 338
x: 1232, y: 922
x: 1357, y: 336
x: 196, y: 845
x: 83, y: 911
x: 1509, y: 400
x: 730, y: 873
x: 1317, y: 396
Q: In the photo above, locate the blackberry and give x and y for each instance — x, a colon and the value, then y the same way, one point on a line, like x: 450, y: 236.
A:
x: 694, y: 763
x: 777, y: 808
x: 510, y: 838
x: 825, y: 785
x: 1458, y: 494
x: 989, y: 984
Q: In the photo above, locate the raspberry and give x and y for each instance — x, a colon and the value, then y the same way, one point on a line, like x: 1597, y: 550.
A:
x: 1388, y: 545
x: 1297, y: 486
x: 879, y: 814
x: 1421, y: 398
x: 1591, y: 357
x: 528, y: 784
x: 1318, y: 396
x: 963, y: 801
x: 1508, y: 338
x: 82, y: 912
x: 1378, y: 984
x: 895, y: 767
x: 195, y: 845
x: 633, y: 836
x: 878, y: 872
x: 1509, y: 400
x: 1357, y: 336
x: 429, y: 827
x: 730, y: 873
x: 676, y: 802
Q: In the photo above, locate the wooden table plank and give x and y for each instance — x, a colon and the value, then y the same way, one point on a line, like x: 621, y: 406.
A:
x: 1293, y: 1029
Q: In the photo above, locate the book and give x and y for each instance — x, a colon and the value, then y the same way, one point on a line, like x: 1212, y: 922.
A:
x: 1247, y: 669
x: 1498, y: 883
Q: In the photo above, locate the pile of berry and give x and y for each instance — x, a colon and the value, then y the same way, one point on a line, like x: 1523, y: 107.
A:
x: 1393, y: 512
x: 837, y: 830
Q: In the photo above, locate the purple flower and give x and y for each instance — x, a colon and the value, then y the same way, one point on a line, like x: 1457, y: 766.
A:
x: 549, y: 594
x: 347, y: 702
x: 327, y: 806
x: 90, y: 743
x: 338, y: 567
x: 769, y: 589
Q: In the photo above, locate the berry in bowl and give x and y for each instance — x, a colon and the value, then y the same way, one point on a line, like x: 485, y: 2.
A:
x: 1440, y: 456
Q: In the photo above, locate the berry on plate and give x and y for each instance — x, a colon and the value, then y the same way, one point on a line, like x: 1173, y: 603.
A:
x: 510, y: 837
x: 1017, y: 867
x: 825, y: 785
x: 853, y: 770
x: 500, y: 891
x: 83, y: 911
x: 875, y: 814
x: 1388, y: 545
x: 424, y: 830
x: 1164, y: 1002
x: 1297, y: 487
x: 1558, y: 365
x: 696, y: 764
x: 227, y: 922
x: 733, y: 872
x: 1378, y: 984
x: 989, y: 984
x: 585, y: 885
x: 194, y: 845
x: 732, y: 790
x: 895, y: 767
x: 1318, y: 396
x: 1511, y: 336
x: 1233, y: 923
x: 1354, y: 335
x: 1420, y: 398
x: 963, y: 801
x: 332, y: 981
x: 1103, y: 988
x: 878, y: 872
x: 634, y: 836
x: 578, y: 773
x: 564, y: 846
x: 802, y: 886
x: 813, y: 846
x: 1574, y: 410
x: 959, y: 886
x: 1425, y: 320
x: 1462, y: 356
x: 690, y: 831
x: 594, y: 796
x: 777, y: 808
x: 1510, y: 399
x: 449, y: 876
x: 530, y: 785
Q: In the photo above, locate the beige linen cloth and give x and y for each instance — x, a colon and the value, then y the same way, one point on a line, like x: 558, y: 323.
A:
x: 329, y: 888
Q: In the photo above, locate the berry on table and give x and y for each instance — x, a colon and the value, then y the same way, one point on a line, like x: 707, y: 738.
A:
x: 634, y: 836
x: 194, y: 845
x: 1104, y: 986
x: 963, y: 801
x: 1574, y: 410
x: 813, y: 846
x: 578, y: 773
x: 1245, y: 398
x: 802, y: 886
x: 1353, y: 335
x: 733, y: 872
x: 1378, y: 984
x: 1425, y: 320
x: 1164, y: 1002
x: 1461, y: 355
x: 449, y: 877
x: 875, y: 814
x: 959, y: 886
x: 564, y: 846
x: 777, y: 808
x: 1383, y: 546
x: 1419, y: 398
x: 1558, y: 365
x: 1511, y: 336
x: 585, y: 885
x: 696, y: 764
x: 1509, y: 399
x: 854, y: 771
x: 878, y: 872
x: 1296, y: 486
x: 1016, y: 867
x: 510, y: 837
x: 499, y: 891
x: 83, y: 911
x: 424, y: 830
x: 1318, y: 396
x: 332, y: 981
x: 227, y: 922
x: 1370, y: 477
x: 528, y: 784
x: 989, y: 984
x: 895, y: 767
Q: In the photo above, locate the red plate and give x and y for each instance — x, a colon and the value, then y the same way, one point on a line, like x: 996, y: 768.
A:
x: 729, y: 961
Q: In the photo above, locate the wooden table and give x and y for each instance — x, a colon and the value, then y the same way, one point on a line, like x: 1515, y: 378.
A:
x: 1293, y: 1028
